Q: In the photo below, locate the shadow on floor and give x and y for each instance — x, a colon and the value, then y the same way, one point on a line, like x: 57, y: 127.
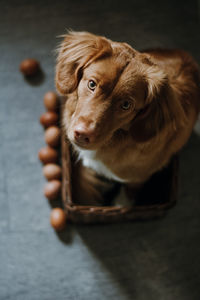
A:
x: 160, y: 256
x: 37, y: 79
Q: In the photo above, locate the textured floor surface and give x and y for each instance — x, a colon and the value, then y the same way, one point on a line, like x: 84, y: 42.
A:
x: 157, y: 260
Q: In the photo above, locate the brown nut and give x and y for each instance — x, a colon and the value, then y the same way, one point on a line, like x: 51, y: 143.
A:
x: 52, y: 189
x: 51, y: 101
x: 49, y: 119
x: 29, y: 66
x: 52, y: 136
x: 58, y: 218
x: 52, y: 171
x: 48, y: 155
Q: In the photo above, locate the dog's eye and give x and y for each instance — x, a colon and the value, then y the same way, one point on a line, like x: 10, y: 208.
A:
x: 92, y: 85
x: 126, y: 105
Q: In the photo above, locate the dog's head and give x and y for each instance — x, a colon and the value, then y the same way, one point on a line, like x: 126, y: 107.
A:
x: 113, y: 89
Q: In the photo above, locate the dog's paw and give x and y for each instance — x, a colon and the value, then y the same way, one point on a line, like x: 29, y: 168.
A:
x: 121, y: 199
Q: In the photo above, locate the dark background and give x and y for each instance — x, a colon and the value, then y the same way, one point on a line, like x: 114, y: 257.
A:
x: 156, y: 260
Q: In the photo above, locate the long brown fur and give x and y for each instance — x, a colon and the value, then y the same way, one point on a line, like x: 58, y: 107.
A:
x: 162, y: 86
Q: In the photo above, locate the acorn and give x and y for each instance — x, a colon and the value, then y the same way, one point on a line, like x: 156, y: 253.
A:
x: 52, y: 136
x: 52, y: 171
x: 58, y: 218
x: 48, y: 119
x: 29, y: 66
x: 48, y: 155
x: 51, y: 101
x: 52, y: 189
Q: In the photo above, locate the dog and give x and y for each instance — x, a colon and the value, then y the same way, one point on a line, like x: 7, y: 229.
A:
x: 126, y: 112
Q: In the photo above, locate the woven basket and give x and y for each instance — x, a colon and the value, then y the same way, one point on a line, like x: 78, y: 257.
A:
x: 152, y: 201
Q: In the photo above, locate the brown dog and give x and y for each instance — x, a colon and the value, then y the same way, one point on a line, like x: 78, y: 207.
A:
x: 127, y: 113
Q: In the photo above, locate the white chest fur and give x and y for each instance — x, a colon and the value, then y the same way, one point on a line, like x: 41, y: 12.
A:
x: 89, y: 160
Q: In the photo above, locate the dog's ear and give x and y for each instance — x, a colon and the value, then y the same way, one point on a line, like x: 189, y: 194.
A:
x: 160, y: 108
x: 77, y: 51
x: 148, y: 122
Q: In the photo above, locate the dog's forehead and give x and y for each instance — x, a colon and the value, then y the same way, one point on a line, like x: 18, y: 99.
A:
x: 130, y: 83
x: 105, y: 69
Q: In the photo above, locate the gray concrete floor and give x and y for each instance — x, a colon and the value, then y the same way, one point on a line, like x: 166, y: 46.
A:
x: 156, y: 260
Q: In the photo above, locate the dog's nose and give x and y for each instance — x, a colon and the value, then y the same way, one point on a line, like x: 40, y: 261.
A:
x: 83, y: 135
